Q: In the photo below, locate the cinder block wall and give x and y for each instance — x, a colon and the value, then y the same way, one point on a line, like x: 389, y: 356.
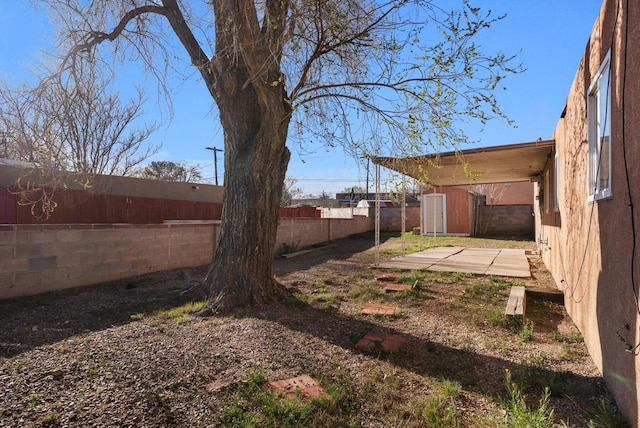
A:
x: 303, y: 232
x: 506, y: 220
x: 39, y: 258
x: 391, y: 218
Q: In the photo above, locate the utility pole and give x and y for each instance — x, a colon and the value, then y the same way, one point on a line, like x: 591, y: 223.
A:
x: 215, y: 151
x: 368, y: 159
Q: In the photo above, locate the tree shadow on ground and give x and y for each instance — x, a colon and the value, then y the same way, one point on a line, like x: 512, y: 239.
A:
x: 32, y: 321
x: 48, y: 318
x: 475, y: 372
x: 339, y: 249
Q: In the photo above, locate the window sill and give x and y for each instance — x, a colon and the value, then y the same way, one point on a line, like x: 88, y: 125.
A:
x: 604, y: 194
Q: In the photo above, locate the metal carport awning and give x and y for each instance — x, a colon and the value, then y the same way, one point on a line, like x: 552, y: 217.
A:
x: 497, y: 164
x: 487, y: 165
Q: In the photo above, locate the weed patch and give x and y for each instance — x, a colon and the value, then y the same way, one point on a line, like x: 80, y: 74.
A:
x: 325, y: 300
x: 297, y: 301
x: 365, y: 291
x: 440, y: 409
x: 49, y: 419
x: 606, y: 416
x: 526, y: 334
x: 573, y: 337
x: 498, y: 318
x: 181, y: 313
x: 520, y: 415
x: 534, y: 377
x: 252, y: 405
x: 488, y: 291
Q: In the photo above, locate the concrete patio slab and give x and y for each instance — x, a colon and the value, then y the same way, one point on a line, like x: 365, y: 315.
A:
x: 509, y: 263
x: 483, y: 261
x: 436, y: 253
x: 406, y: 263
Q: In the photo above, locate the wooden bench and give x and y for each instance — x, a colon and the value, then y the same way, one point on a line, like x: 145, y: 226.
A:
x: 517, y: 303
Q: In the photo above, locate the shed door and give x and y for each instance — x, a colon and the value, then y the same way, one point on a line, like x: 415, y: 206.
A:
x: 433, y: 215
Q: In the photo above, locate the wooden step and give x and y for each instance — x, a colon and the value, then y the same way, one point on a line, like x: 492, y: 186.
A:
x: 517, y: 303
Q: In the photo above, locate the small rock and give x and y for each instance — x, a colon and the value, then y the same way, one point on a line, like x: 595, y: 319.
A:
x: 219, y: 384
x: 34, y: 328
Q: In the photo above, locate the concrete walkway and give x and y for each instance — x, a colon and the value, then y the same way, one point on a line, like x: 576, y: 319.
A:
x: 484, y: 261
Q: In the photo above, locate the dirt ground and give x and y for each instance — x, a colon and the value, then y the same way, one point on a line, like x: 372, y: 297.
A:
x: 106, y: 356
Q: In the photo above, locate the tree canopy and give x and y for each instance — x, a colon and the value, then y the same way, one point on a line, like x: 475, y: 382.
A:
x: 354, y: 189
x: 79, y: 125
x: 391, y: 76
x: 171, y: 171
x: 67, y: 130
x: 290, y: 192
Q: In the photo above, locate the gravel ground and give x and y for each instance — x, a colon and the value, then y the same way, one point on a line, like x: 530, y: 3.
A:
x: 98, y: 356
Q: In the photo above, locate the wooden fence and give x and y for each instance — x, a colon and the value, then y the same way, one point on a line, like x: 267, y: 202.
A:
x: 78, y: 206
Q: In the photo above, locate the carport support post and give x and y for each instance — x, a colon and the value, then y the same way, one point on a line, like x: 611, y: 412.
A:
x: 377, y: 216
x: 404, y: 215
x: 435, y: 213
x: 422, y: 220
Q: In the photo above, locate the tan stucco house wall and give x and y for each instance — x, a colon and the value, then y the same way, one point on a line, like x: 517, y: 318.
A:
x: 589, y: 246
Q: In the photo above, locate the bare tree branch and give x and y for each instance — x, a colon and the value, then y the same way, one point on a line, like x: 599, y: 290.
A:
x: 396, y: 76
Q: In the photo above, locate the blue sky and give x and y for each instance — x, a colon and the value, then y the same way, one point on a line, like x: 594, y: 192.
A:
x: 549, y: 34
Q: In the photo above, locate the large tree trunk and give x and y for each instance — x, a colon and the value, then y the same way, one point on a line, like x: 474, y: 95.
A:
x: 246, y: 82
x: 256, y: 158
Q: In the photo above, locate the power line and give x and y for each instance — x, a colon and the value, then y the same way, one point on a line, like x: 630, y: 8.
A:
x: 328, y: 179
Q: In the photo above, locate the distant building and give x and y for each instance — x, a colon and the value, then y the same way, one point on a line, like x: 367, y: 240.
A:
x: 348, y: 199
x: 315, y: 202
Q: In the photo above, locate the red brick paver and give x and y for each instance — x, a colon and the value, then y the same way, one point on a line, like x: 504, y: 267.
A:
x: 391, y: 287
x: 377, y: 309
x: 378, y: 341
x: 291, y: 388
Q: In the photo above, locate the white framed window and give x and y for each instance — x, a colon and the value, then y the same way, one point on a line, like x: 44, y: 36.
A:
x: 599, y: 132
x: 547, y: 190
